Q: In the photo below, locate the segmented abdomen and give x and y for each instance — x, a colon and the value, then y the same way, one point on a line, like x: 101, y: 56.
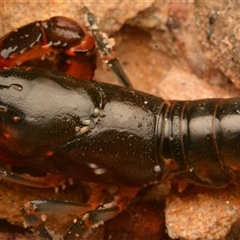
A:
x: 202, y: 137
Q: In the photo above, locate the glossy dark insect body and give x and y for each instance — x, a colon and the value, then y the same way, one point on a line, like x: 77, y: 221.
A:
x: 109, y: 134
x: 149, y: 137
x: 78, y: 131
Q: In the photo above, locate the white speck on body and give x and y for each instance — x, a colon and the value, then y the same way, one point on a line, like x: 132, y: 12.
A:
x: 157, y: 168
x: 92, y: 165
x: 99, y: 171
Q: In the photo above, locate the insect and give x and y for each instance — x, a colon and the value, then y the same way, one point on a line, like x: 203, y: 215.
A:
x: 73, y: 135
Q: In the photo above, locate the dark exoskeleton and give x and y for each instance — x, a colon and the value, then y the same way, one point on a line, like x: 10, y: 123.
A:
x: 58, y: 43
x: 109, y: 134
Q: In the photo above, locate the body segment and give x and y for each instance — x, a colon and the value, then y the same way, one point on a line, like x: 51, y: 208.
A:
x: 202, y: 137
x: 92, y: 135
x: 105, y: 133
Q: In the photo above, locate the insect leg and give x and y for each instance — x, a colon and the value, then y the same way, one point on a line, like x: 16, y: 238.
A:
x: 33, y: 210
x: 105, y: 48
x: 16, y: 178
x: 103, y: 213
